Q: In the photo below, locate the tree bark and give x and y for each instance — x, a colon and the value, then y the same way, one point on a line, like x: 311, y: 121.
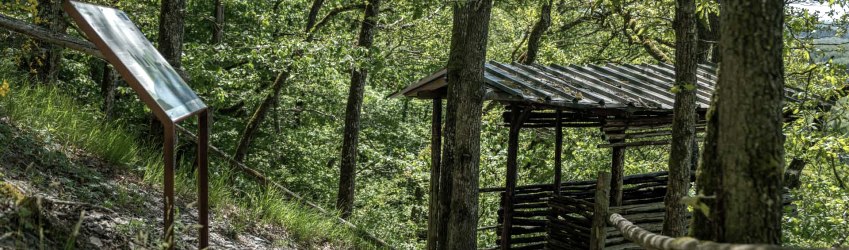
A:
x: 463, y: 118
x: 751, y: 143
x: 171, y: 22
x: 107, y: 90
x: 705, y: 225
x: 536, y: 33
x: 684, y: 120
x: 45, y: 60
x: 218, y: 24
x: 347, y: 170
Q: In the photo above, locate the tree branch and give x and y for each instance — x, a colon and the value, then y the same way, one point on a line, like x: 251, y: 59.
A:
x: 46, y: 35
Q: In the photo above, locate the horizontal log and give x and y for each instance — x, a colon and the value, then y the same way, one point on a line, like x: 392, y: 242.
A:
x: 638, y: 208
x: 644, y: 134
x: 559, y: 244
x: 627, y: 246
x: 537, y: 245
x: 574, y: 221
x: 571, y: 238
x: 651, y: 240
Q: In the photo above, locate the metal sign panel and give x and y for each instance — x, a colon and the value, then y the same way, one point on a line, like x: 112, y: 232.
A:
x: 148, y: 73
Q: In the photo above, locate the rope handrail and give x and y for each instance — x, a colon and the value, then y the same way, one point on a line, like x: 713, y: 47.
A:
x: 649, y: 240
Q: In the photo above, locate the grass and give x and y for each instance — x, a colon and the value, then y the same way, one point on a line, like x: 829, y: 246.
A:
x: 51, y: 113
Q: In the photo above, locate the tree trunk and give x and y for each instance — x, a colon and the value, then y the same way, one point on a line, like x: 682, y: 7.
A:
x: 751, y: 143
x: 536, y: 34
x: 45, y: 60
x: 705, y: 224
x: 347, y: 170
x: 107, y: 90
x: 311, y: 17
x: 463, y: 118
x: 708, y: 38
x: 218, y: 25
x: 171, y: 21
x: 684, y: 120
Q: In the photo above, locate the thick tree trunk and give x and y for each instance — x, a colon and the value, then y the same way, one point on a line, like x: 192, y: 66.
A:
x: 45, y: 60
x: 684, y: 121
x: 463, y: 118
x: 536, y: 34
x: 751, y: 143
x: 171, y: 22
x: 347, y: 170
x: 218, y: 24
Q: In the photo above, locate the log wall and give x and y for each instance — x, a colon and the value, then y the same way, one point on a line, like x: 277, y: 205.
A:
x: 542, y: 221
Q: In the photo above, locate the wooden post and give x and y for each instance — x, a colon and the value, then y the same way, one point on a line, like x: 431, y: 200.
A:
x: 435, y: 165
x: 519, y: 117
x: 558, y: 151
x: 168, y: 181
x: 617, y: 171
x: 602, y: 192
x: 204, y: 119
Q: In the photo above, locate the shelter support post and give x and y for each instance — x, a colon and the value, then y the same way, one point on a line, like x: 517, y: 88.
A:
x: 558, y: 151
x: 600, y: 211
x: 617, y: 172
x: 204, y: 119
x: 168, y: 180
x: 435, y: 169
x: 519, y: 117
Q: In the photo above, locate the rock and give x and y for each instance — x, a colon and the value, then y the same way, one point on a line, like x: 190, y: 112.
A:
x: 95, y: 241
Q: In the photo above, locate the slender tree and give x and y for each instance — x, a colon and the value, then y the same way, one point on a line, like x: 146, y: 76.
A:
x: 749, y: 149
x: 463, y: 119
x: 45, y: 60
x: 347, y: 170
x: 261, y: 111
x: 218, y: 24
x: 684, y: 120
x: 538, y: 30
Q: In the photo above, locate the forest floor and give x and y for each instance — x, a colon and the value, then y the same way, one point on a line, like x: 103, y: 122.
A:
x: 53, y: 196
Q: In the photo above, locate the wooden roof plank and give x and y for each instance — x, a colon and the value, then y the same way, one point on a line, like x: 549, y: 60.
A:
x: 600, y: 83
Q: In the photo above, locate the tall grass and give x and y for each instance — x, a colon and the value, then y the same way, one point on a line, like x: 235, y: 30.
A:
x: 59, y: 117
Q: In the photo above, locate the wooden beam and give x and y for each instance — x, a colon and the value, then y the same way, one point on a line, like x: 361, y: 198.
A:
x: 558, y: 151
x: 435, y: 168
x: 512, y: 164
x: 617, y: 170
x: 600, y: 209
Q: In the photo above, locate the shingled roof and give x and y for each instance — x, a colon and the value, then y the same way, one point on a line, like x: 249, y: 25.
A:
x: 641, y: 86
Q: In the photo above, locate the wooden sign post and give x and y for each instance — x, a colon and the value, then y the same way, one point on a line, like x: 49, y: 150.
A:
x: 161, y: 89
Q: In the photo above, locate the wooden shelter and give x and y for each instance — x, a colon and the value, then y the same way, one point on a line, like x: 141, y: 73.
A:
x: 631, y: 103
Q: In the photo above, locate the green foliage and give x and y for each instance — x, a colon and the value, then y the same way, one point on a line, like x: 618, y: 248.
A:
x: 299, y: 144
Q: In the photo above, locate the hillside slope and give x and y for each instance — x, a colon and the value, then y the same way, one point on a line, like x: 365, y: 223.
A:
x: 56, y: 196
